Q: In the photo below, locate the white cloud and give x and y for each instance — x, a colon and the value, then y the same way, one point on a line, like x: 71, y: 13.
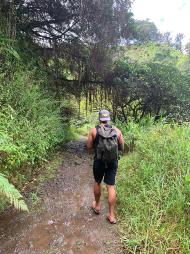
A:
x: 168, y: 15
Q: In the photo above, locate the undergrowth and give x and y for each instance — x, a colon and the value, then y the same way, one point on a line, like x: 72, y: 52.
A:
x: 30, y: 120
x: 154, y: 189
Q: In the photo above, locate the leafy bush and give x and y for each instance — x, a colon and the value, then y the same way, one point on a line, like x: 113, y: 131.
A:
x: 30, y: 119
x: 154, y: 190
x: 30, y: 122
x: 8, y: 191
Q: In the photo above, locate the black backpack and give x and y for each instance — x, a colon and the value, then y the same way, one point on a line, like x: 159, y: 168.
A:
x: 107, y: 147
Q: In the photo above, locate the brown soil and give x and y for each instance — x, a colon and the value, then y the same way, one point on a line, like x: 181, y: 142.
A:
x: 64, y: 223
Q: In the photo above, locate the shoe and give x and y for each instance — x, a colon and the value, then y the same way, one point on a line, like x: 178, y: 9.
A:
x: 111, y: 221
x: 96, y: 211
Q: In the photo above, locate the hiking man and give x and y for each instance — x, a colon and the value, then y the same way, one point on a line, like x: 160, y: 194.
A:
x: 106, y: 140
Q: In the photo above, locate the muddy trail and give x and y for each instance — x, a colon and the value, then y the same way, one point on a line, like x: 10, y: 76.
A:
x: 64, y: 223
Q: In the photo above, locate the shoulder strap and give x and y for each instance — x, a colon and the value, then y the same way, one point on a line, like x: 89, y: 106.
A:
x: 97, y: 127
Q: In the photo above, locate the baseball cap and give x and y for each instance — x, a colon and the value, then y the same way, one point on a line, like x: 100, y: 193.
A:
x: 104, y: 115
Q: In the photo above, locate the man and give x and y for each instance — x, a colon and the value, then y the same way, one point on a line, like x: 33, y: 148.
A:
x: 104, y: 169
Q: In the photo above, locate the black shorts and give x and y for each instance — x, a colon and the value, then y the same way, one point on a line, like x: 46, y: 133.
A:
x: 108, y: 172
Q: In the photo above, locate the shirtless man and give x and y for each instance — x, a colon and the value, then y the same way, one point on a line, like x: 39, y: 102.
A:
x: 102, y: 170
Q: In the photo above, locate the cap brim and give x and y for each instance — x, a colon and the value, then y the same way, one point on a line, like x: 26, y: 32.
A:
x: 105, y: 119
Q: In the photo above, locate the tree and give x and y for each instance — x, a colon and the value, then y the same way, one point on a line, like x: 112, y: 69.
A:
x: 145, y: 31
x: 87, y: 20
x: 166, y: 38
x: 148, y: 80
x: 178, y: 41
x: 187, y: 48
x: 76, y: 35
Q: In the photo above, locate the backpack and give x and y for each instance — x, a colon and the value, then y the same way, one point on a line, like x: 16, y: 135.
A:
x: 107, y: 147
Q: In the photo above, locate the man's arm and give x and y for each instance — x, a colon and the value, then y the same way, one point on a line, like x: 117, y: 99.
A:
x: 120, y: 141
x: 90, y: 139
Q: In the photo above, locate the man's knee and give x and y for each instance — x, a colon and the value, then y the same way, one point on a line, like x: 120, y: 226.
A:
x: 97, y: 184
x: 110, y: 187
x: 97, y: 187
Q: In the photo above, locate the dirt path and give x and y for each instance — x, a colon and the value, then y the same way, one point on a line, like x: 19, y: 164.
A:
x: 64, y: 224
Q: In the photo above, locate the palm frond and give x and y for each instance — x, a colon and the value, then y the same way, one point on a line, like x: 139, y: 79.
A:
x: 13, y: 196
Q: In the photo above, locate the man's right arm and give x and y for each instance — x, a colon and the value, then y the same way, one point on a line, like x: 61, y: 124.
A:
x: 90, y: 140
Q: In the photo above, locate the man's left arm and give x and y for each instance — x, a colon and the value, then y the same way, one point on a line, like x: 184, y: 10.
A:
x: 120, y: 141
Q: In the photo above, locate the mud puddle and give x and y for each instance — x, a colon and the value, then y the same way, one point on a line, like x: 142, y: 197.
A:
x: 64, y: 224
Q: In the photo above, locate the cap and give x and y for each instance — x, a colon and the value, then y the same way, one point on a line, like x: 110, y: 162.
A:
x: 104, y: 115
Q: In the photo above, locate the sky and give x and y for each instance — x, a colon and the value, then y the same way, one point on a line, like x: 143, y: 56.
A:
x: 168, y: 15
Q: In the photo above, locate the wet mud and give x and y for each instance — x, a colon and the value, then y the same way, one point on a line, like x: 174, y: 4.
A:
x: 64, y: 223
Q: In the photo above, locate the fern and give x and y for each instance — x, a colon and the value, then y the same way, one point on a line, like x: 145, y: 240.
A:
x: 12, y: 194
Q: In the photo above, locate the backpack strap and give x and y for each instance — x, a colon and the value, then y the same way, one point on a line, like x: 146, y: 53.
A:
x: 97, y: 136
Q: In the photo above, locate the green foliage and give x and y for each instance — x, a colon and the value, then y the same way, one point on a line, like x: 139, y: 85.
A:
x: 154, y: 189
x: 150, y: 80
x: 145, y: 31
x: 34, y: 197
x: 157, y: 53
x: 13, y: 196
x: 30, y: 119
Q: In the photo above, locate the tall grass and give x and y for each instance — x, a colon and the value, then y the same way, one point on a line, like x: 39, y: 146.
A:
x: 154, y: 190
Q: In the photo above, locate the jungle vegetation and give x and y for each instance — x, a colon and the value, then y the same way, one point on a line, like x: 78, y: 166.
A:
x: 63, y: 60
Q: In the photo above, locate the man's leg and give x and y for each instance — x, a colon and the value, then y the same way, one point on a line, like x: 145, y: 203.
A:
x: 109, y: 179
x: 98, y: 171
x: 97, y: 195
x: 111, y: 202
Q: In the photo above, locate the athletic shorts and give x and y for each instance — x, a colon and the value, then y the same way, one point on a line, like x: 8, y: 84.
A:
x: 108, y: 172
